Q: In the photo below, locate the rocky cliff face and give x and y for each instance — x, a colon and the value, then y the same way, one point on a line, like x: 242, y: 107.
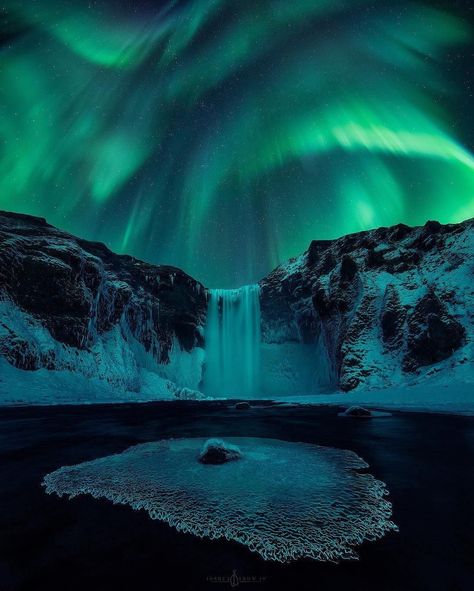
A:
x: 389, y: 304
x: 69, y: 304
x: 373, y: 309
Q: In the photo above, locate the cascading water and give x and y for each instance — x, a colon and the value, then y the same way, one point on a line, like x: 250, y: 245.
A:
x: 233, y: 342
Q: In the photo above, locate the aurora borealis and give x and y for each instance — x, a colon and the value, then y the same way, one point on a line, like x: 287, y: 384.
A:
x: 223, y: 136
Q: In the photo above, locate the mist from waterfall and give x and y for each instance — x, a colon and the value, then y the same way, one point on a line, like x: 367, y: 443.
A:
x: 233, y: 343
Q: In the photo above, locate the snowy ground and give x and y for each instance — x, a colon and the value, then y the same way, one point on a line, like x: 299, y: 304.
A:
x: 44, y: 387
x: 451, y: 392
x: 434, y: 396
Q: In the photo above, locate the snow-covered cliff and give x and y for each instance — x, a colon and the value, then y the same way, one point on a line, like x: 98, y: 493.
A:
x: 386, y: 307
x: 377, y: 309
x: 96, y: 324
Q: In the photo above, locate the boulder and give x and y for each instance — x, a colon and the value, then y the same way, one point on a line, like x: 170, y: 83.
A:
x: 357, y: 412
x: 242, y: 405
x: 217, y: 451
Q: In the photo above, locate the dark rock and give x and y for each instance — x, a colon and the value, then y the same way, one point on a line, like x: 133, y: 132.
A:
x: 375, y: 258
x: 328, y: 263
x: 216, y: 451
x: 348, y: 383
x: 321, y: 302
x: 399, y: 232
x: 348, y: 268
x: 242, y: 405
x: 357, y: 412
x: 406, y: 260
x: 316, y: 250
x: 433, y: 226
x: 434, y: 334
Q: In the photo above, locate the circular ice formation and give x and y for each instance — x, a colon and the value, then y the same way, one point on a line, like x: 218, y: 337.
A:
x: 283, y: 500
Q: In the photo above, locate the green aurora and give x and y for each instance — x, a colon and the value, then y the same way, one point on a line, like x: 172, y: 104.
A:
x: 223, y: 136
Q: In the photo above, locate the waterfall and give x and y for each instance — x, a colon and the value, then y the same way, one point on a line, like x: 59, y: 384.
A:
x: 233, y: 342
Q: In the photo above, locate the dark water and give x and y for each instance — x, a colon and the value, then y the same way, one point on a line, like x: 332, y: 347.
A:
x: 49, y: 543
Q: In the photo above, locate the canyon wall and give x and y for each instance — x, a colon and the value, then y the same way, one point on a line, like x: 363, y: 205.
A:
x: 71, y: 305
x: 380, y: 307
x: 369, y: 310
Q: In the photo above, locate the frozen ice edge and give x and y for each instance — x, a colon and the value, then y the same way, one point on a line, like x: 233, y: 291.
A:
x: 436, y: 397
x: 447, y: 393
x: 376, y: 510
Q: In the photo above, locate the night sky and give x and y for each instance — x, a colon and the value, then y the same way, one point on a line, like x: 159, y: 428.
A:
x: 222, y: 136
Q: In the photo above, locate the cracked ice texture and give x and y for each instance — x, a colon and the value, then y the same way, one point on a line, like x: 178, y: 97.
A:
x: 282, y: 500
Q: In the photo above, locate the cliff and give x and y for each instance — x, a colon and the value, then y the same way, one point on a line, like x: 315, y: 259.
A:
x: 386, y: 306
x: 71, y: 305
x: 371, y: 310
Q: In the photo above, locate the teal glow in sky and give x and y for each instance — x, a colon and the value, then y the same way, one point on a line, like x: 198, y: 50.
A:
x: 222, y: 136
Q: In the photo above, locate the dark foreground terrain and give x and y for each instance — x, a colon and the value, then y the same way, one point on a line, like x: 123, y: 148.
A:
x: 55, y: 544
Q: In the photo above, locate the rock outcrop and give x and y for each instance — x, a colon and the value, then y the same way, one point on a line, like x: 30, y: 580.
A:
x: 70, y: 304
x: 217, y: 451
x: 387, y: 303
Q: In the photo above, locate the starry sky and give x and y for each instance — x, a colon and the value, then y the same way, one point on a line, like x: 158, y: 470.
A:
x: 222, y: 136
